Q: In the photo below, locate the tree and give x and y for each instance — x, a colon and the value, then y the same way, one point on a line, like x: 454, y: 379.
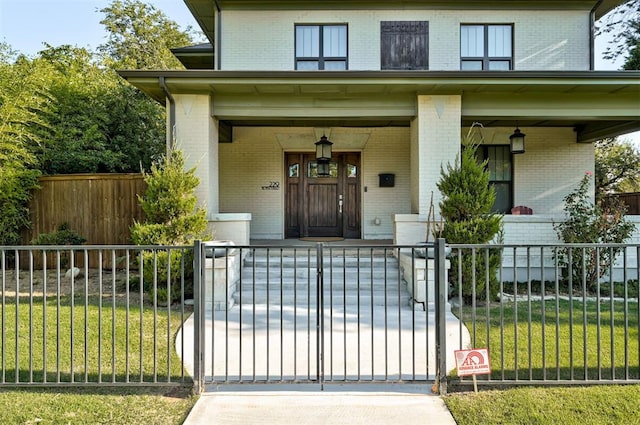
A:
x: 467, y: 199
x: 617, y: 167
x: 141, y: 36
x: 624, y: 23
x: 172, y: 218
x: 101, y: 124
x: 23, y: 98
x: 170, y: 205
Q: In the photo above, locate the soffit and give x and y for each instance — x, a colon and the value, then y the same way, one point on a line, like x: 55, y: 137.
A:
x: 597, y: 103
x: 379, y: 83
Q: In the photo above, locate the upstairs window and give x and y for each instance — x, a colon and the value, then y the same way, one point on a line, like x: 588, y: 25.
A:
x: 404, y: 45
x: 486, y: 47
x: 321, y: 47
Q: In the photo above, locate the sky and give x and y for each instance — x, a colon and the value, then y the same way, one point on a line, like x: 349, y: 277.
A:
x: 77, y: 22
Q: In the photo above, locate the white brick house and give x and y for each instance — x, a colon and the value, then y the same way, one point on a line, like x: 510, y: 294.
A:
x: 394, y: 85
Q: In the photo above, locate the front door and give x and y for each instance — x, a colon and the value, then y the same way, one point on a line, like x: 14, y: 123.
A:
x: 318, y: 205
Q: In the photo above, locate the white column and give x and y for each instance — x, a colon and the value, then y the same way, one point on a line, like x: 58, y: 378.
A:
x: 196, y: 134
x: 435, y: 141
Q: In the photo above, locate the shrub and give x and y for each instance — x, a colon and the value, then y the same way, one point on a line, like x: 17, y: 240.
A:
x: 63, y: 235
x: 467, y: 199
x: 172, y: 218
x: 588, y: 222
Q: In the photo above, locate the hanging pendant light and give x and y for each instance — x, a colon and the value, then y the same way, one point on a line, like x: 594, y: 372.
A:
x: 323, y: 149
x: 517, y: 141
x: 323, y: 156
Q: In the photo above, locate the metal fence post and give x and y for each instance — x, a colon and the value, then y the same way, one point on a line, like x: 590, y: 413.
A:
x: 198, y: 316
x: 320, y: 313
x: 441, y: 293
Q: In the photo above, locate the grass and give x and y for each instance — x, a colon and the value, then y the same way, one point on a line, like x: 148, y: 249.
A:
x: 607, y: 404
x: 96, y: 343
x: 95, y: 406
x: 536, y: 340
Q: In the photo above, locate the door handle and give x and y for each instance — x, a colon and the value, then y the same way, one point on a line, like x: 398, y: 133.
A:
x: 340, y: 204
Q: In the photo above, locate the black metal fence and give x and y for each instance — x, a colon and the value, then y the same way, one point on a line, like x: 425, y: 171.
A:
x: 64, y: 323
x: 548, y: 314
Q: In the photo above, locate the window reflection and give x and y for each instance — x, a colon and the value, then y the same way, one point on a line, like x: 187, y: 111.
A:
x: 313, y: 169
x: 352, y: 171
x: 294, y: 170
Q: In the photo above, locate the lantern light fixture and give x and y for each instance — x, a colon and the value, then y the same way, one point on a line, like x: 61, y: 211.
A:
x: 517, y: 141
x: 323, y: 149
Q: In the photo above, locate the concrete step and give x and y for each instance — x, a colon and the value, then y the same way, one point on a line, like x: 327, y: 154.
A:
x: 303, y: 297
x: 348, y: 286
x: 304, y: 252
x: 335, y: 275
x: 374, y: 263
x: 285, y: 280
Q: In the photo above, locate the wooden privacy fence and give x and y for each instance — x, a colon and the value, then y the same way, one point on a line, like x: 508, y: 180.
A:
x: 631, y: 200
x: 99, y: 207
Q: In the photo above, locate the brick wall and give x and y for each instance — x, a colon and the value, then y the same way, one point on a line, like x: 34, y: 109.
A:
x: 544, y: 40
x: 551, y: 168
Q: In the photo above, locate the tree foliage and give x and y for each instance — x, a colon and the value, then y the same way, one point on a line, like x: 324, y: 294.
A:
x: 141, y: 36
x: 172, y: 218
x: 617, y: 167
x: 170, y: 205
x: 67, y: 111
x: 23, y: 100
x: 101, y: 123
x: 624, y: 24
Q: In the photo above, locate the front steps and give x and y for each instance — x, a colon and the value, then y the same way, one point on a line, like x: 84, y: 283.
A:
x: 351, y: 278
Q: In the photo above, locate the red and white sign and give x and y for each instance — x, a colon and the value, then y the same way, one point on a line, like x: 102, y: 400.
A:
x: 473, y: 362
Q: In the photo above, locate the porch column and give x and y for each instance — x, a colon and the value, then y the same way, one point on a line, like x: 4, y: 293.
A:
x: 196, y: 134
x: 435, y: 141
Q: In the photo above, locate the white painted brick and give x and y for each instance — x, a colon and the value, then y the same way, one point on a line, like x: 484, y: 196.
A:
x: 544, y: 40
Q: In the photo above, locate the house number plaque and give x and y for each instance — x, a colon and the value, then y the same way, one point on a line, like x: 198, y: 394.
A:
x: 272, y: 186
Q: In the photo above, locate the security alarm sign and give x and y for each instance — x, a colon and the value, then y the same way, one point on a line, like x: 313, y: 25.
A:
x: 473, y: 362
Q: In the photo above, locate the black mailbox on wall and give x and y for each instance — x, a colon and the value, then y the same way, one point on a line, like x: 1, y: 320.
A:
x: 386, y: 180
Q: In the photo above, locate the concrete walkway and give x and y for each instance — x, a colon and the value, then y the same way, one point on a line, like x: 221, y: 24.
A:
x: 278, y: 343
x: 374, y: 405
x: 294, y: 404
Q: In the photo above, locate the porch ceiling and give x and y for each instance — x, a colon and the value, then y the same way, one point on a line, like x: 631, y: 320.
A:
x: 595, y: 103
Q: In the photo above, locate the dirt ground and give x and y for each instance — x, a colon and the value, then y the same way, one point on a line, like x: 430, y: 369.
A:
x: 62, y: 283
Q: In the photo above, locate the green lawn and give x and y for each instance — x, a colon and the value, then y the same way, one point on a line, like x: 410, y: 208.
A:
x: 525, y: 343
x: 535, y: 341
x: 96, y: 344
x: 597, y: 405
x: 95, y: 406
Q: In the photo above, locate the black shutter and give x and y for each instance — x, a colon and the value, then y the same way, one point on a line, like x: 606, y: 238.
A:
x: 404, y: 44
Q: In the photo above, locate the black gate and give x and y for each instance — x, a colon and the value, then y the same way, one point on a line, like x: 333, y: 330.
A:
x: 312, y: 314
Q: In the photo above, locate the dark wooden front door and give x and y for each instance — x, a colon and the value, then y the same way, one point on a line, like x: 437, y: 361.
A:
x: 322, y: 205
